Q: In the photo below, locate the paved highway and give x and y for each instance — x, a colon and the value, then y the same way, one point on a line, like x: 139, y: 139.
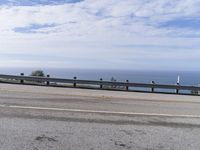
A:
x: 47, y: 118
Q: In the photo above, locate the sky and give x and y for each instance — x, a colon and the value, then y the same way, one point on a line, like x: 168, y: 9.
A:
x: 100, y: 34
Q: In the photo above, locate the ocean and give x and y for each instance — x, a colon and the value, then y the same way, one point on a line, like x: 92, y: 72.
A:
x: 161, y: 77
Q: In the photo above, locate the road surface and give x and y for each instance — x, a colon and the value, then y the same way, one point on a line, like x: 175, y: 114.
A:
x: 48, y: 118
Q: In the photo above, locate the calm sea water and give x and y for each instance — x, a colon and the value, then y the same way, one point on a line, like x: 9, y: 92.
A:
x: 162, y: 77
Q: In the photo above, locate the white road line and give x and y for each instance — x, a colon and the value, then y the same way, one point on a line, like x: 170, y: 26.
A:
x: 98, y: 112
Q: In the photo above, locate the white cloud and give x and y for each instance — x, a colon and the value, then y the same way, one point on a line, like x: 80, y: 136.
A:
x: 94, y: 28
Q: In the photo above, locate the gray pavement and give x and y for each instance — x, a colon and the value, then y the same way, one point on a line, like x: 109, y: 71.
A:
x: 44, y: 118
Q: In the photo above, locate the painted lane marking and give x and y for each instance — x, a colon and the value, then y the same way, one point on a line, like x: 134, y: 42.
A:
x: 98, y: 111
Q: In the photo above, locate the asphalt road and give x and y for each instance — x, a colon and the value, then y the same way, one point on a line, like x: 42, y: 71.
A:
x: 46, y: 118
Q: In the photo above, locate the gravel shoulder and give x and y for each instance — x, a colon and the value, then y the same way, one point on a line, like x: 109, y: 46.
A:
x: 96, y: 93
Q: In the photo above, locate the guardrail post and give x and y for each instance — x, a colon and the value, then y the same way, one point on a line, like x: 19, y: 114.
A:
x: 75, y: 81
x: 48, y: 83
x: 177, y: 90
x: 101, y: 85
x: 22, y: 81
x: 127, y: 81
x: 152, y: 89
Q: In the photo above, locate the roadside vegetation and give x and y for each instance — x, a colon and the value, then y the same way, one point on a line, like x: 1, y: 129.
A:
x: 38, y: 73
x: 113, y: 79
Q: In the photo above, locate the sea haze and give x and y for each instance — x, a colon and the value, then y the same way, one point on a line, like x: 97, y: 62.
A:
x: 162, y: 77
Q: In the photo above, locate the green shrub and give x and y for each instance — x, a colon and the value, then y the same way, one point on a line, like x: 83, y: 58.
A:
x: 38, y: 73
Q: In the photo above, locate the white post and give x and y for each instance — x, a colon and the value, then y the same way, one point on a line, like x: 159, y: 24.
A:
x: 178, y: 83
x: 178, y: 80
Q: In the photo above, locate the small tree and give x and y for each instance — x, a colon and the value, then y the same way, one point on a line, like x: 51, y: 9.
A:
x: 38, y: 73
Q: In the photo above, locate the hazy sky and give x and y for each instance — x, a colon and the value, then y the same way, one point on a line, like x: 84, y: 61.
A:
x: 104, y: 34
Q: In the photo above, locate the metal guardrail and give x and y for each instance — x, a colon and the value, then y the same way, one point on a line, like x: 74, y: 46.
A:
x: 100, y: 83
